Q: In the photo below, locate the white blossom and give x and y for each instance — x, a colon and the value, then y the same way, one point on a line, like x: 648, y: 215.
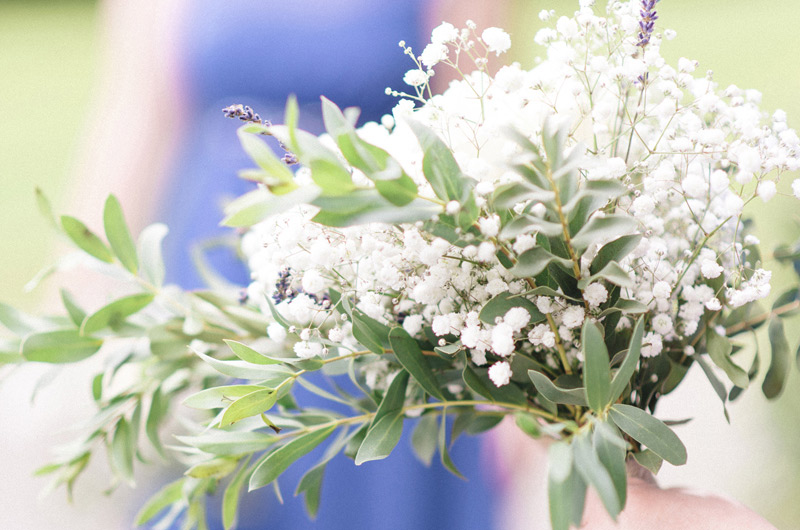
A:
x: 517, y: 318
x: 573, y: 316
x: 595, y: 294
x: 415, y: 77
x: 500, y: 373
x: 444, y: 33
x: 496, y: 40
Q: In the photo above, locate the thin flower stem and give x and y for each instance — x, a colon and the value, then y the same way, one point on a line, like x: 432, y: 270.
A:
x: 746, y: 324
x: 363, y: 418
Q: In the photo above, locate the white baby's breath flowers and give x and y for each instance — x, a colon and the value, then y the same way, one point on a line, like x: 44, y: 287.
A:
x: 496, y: 40
x: 444, y: 33
x: 595, y: 294
x: 415, y: 77
x: 500, y: 373
x: 692, y: 139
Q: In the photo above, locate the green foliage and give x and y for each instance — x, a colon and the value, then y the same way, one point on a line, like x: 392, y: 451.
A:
x: 596, y: 371
x: 649, y: 431
x: 118, y: 235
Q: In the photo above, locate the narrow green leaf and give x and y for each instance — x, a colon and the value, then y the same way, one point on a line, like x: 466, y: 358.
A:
x: 424, y: 438
x: 566, y: 490
x: 18, y: 322
x: 444, y: 453
x: 528, y: 424
x: 97, y: 387
x: 650, y: 431
x: 311, y: 485
x: 649, y: 460
x: 118, y: 235
x: 368, y: 334
x: 291, y: 117
x: 274, y: 373
x: 410, y: 355
x: 123, y: 449
x: 61, y: 346
x: 572, y: 396
x: 220, y: 396
x: 382, y: 437
x: 214, y: 468
x: 150, y: 255
x: 229, y: 443
x: 43, y: 203
x: 273, y: 464
x: 509, y: 195
x: 611, y: 450
x: 76, y: 314
x: 593, y: 472
x: 265, y: 157
x: 474, y: 383
x: 532, y: 262
x: 257, y: 205
x: 166, y: 496
x: 614, y: 251
x: 115, y: 313
x: 248, y: 405
x: 230, y: 499
x: 438, y: 164
x: 612, y: 273
x: 625, y: 372
x: 716, y: 384
x: 596, y: 369
x: 395, y: 396
x: 156, y: 413
x: 248, y: 354
x: 85, y: 239
x: 600, y: 228
x: 368, y: 206
x: 503, y: 302
x: 719, y: 349
x: 775, y: 379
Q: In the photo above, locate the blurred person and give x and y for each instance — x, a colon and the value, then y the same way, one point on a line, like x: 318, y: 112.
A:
x: 160, y: 142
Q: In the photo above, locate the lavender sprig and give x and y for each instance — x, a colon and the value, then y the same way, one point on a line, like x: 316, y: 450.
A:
x: 246, y: 113
x: 647, y: 23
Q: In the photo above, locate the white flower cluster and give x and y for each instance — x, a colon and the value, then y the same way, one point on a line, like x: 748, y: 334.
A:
x: 692, y: 156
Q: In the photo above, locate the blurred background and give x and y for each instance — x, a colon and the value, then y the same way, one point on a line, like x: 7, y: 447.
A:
x: 49, y: 52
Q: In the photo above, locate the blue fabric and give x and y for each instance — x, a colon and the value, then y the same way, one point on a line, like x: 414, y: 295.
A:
x: 256, y: 52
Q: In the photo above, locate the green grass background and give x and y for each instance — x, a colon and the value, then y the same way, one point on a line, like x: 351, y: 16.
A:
x: 48, y: 53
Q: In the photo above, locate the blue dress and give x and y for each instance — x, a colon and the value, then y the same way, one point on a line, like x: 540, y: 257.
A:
x: 257, y: 52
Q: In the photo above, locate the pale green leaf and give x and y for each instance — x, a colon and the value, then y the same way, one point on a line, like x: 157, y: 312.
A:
x: 775, y: 379
x: 220, y: 396
x: 150, y: 255
x: 629, y: 364
x: 596, y: 369
x: 649, y: 431
x: 115, y: 313
x: 118, y: 235
x: 230, y: 499
x: 248, y: 405
x: 85, y: 239
x: 248, y: 354
x: 573, y: 396
x: 273, y: 464
x: 166, y: 496
x: 410, y: 355
x: 61, y: 346
x: 719, y: 349
x: 594, y: 473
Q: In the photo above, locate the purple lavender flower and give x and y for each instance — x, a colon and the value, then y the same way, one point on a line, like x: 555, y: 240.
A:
x: 243, y: 112
x: 647, y: 22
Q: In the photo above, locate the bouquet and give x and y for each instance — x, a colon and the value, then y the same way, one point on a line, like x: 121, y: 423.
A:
x: 557, y: 244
